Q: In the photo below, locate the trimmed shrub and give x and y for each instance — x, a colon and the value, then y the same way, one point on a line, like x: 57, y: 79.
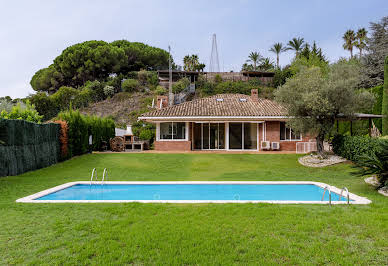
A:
x: 352, y: 147
x: 129, y: 85
x: 385, y: 98
x: 82, y: 126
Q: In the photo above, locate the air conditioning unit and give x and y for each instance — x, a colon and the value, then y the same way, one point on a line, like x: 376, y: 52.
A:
x: 265, y: 145
x: 275, y: 146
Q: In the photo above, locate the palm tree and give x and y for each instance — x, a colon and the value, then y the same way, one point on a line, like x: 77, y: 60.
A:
x: 277, y: 48
x: 361, y: 39
x: 266, y: 64
x: 296, y: 44
x: 186, y: 62
x: 349, y: 38
x: 255, y: 58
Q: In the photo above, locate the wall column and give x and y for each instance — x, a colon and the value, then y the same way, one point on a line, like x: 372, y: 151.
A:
x: 227, y: 136
x: 157, y: 131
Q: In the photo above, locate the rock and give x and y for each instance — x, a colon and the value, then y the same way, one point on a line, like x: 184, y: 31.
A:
x: 383, y: 191
x: 317, y: 161
x: 372, y: 181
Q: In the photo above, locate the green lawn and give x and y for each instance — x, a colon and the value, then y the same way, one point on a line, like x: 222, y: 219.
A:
x: 205, y: 234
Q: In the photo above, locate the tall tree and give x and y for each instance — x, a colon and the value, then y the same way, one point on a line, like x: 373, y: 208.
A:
x: 277, y: 49
x: 314, y: 100
x: 361, y: 40
x: 296, y: 44
x: 372, y: 71
x: 385, y: 98
x: 254, y: 58
x: 349, y: 41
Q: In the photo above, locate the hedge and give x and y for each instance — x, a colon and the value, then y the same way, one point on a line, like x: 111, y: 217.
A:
x: 351, y: 147
x: 26, y: 146
x: 80, y: 127
x: 385, y: 99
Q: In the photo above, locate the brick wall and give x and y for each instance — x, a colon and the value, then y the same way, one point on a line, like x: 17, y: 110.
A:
x: 172, y: 145
x: 273, y: 135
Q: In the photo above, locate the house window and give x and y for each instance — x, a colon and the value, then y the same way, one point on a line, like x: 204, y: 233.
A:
x: 287, y: 133
x: 172, y: 130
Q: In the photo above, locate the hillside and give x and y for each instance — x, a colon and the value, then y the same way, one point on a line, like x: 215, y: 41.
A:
x: 123, y: 107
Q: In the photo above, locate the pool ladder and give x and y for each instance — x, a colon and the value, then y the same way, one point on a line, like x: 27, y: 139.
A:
x: 327, y: 188
x: 94, y: 176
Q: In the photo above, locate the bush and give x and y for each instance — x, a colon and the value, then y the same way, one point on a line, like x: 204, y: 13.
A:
x: 81, y: 126
x: 96, y: 89
x: 45, y: 105
x: 64, y: 96
x: 160, y: 90
x: 352, y: 147
x: 217, y: 78
x: 180, y: 85
x: 20, y: 112
x: 145, y: 131
x: 375, y: 164
x: 109, y: 91
x: 129, y: 85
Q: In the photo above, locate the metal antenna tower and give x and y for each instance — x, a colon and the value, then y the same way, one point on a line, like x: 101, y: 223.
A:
x: 214, y: 65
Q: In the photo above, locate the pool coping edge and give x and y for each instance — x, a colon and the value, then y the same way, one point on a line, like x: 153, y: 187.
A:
x: 33, y: 198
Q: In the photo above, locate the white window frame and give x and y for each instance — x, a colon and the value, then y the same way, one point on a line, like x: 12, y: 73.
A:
x: 186, y: 137
x: 285, y: 133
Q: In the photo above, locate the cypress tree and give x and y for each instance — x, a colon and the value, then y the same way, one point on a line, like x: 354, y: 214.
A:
x: 385, y: 98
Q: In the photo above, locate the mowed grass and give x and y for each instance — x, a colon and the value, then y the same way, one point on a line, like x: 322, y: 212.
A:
x: 204, y: 234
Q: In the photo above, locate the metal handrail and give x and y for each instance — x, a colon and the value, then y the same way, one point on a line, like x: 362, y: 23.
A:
x: 347, y: 193
x: 103, y: 175
x: 91, y: 178
x: 324, y: 191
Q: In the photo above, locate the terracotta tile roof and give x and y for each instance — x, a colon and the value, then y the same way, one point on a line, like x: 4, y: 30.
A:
x: 231, y: 105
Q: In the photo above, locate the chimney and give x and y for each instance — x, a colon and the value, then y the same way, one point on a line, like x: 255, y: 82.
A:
x: 254, y: 95
x: 161, y: 102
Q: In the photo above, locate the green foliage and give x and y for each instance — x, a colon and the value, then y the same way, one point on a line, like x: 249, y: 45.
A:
x: 20, y: 112
x: 130, y: 85
x: 109, y: 91
x: 47, y: 79
x: 81, y: 126
x: 64, y: 96
x: 45, y: 105
x: 372, y: 71
x: 144, y: 130
x: 160, y: 90
x: 377, y: 107
x: 191, y: 63
x: 148, y: 78
x: 352, y: 147
x: 96, y: 90
x: 385, y: 98
x: 375, y: 163
x: 217, y: 78
x: 207, y: 88
x: 6, y: 104
x: 314, y: 101
x: 180, y: 85
x: 301, y: 62
x: 281, y: 76
x: 97, y: 60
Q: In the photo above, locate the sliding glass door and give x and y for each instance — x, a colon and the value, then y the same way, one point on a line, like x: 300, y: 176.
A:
x: 243, y: 136
x: 209, y: 136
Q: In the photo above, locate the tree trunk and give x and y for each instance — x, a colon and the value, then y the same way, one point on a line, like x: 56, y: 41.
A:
x: 360, y: 53
x: 277, y: 60
x: 351, y: 52
x: 320, y: 149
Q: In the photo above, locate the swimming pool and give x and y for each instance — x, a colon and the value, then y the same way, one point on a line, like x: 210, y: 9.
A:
x: 194, y: 192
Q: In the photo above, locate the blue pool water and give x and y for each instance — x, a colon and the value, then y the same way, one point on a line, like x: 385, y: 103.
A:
x: 246, y: 192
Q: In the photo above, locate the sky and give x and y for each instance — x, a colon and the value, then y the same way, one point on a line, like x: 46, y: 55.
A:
x: 33, y: 33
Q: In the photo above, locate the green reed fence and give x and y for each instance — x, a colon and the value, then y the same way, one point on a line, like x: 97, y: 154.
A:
x: 26, y: 146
